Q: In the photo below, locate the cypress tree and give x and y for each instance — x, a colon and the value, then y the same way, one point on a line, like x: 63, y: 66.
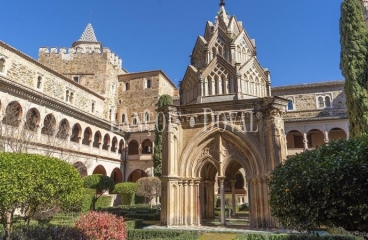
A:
x: 157, y: 156
x: 354, y: 64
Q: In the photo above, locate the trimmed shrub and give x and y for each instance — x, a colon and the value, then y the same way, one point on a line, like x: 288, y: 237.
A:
x: 102, y: 226
x: 139, y: 234
x: 40, y: 232
x: 253, y: 236
x: 134, y: 224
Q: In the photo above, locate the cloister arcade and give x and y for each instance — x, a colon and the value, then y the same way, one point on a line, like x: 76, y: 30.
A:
x: 56, y: 132
x: 305, y: 137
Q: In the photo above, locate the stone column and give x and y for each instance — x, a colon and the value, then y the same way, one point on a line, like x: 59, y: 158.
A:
x: 222, y: 191
x: 305, y: 141
x: 326, y: 137
x: 233, y: 200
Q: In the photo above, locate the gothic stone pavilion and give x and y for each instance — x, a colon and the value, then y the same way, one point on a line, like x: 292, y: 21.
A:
x: 244, y: 130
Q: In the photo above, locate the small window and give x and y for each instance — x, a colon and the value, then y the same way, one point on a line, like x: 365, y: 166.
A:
x: 93, y: 107
x: 321, y: 104
x: 110, y: 114
x: 39, y: 82
x: 116, y: 116
x: 127, y: 86
x: 71, y: 99
x: 146, y: 117
x: 327, y: 101
x: 290, y: 105
x: 67, y: 96
x: 76, y: 79
x: 123, y: 118
x: 134, y: 122
x: 148, y: 84
x: 2, y: 65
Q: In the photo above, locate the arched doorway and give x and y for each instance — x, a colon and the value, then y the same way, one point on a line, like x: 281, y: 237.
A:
x: 336, y: 134
x: 137, y: 174
x: 100, y: 170
x: 117, y: 176
x: 186, y: 198
x: 315, y: 138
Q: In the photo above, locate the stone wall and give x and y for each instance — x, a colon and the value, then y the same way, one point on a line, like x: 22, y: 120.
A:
x: 26, y: 71
x: 95, y: 70
x: 139, y: 99
x: 305, y: 99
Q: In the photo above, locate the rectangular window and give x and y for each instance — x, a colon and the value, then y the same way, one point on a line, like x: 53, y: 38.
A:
x: 76, y: 79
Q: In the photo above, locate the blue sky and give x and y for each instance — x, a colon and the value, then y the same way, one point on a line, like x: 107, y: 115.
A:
x: 297, y: 40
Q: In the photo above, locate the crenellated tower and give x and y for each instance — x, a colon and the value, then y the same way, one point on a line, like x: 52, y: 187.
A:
x: 224, y: 65
x: 88, y: 63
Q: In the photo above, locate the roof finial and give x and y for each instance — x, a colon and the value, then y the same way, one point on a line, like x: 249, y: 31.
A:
x: 222, y: 3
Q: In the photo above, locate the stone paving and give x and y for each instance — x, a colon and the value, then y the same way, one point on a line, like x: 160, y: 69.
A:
x: 232, y: 226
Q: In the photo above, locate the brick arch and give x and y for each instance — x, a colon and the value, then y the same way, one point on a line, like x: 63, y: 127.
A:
x: 13, y: 114
x: 81, y: 168
x: 136, y: 174
x: 87, y: 136
x: 114, y: 144
x: 147, y: 146
x: 97, y: 138
x: 106, y: 142
x: 117, y: 175
x: 76, y: 133
x: 133, y: 147
x: 100, y: 170
x: 49, y: 125
x: 33, y: 119
x: 63, y: 130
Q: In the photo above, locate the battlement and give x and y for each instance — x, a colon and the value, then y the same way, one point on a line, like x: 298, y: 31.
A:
x: 68, y: 53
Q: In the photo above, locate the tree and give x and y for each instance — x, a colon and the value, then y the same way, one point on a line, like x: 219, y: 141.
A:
x: 149, y: 187
x: 28, y: 181
x: 325, y: 186
x: 101, y: 184
x: 126, y: 188
x: 354, y: 65
x: 157, y: 156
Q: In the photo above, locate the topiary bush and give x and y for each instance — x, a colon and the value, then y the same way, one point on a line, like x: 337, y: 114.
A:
x: 127, y: 191
x: 102, y: 226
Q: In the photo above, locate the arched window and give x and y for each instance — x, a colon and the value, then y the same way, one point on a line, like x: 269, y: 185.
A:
x: 134, y: 122
x: 133, y: 148
x: 229, y: 85
x: 71, y: 99
x: 320, y: 102
x: 123, y: 118
x: 148, y: 85
x: 87, y: 136
x: 2, y: 65
x: 147, y: 147
x: 97, y: 140
x: 290, y: 105
x: 67, y: 96
x: 76, y: 133
x: 127, y: 86
x: 49, y: 124
x: 39, y: 82
x: 327, y: 101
